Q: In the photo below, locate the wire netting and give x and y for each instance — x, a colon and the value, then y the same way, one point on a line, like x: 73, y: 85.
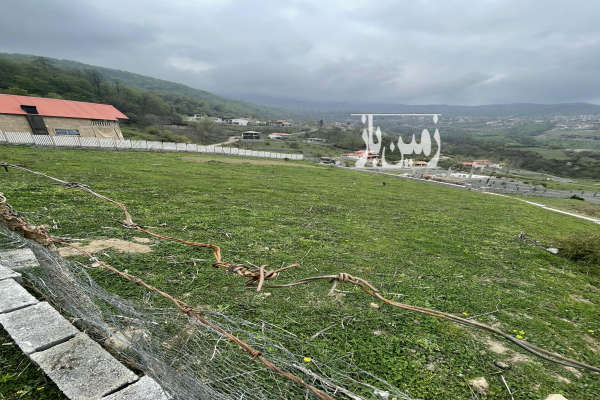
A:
x: 191, y: 360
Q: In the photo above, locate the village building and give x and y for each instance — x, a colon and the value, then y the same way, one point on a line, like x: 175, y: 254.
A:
x: 360, y: 154
x: 44, y: 116
x: 485, y: 163
x: 194, y: 117
x: 250, y: 135
x: 279, y: 123
x: 236, y: 121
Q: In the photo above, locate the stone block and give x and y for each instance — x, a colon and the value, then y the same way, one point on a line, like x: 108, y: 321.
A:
x: 18, y: 259
x: 82, y: 369
x: 7, y: 273
x: 144, y: 389
x: 37, y: 328
x: 13, y: 296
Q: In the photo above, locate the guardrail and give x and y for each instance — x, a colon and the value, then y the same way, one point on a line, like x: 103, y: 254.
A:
x: 133, y: 145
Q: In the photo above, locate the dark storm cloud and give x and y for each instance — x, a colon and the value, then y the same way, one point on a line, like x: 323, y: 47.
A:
x: 455, y: 51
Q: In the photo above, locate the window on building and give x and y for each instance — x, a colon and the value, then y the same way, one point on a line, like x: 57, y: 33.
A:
x: 74, y: 132
x: 29, y: 109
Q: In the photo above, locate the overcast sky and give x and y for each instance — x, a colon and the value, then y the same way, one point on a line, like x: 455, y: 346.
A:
x: 410, y: 51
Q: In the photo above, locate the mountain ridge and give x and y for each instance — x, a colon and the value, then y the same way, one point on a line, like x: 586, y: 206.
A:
x: 152, y: 84
x: 489, y: 110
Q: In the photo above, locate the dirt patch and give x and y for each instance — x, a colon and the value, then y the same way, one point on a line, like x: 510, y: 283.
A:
x: 562, y: 379
x: 574, y: 371
x: 98, y: 245
x: 556, y: 397
x: 142, y: 240
x: 579, y: 298
x: 519, y: 358
x: 496, y: 347
x: 593, y: 343
x: 480, y: 385
x: 567, y: 321
x: 233, y: 160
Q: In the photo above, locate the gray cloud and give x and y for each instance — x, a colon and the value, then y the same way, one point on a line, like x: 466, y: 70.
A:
x: 455, y: 51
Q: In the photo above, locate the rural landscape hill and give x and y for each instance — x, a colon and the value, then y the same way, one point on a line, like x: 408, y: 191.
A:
x: 175, y: 94
x: 341, y: 109
x: 301, y: 200
x: 269, y: 106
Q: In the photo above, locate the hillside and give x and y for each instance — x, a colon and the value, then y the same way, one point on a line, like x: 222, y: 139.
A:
x: 32, y: 75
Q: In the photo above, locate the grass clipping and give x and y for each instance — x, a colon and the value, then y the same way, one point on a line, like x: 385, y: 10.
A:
x: 583, y: 249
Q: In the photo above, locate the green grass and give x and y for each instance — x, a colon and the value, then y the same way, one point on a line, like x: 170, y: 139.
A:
x: 294, y: 145
x: 20, y: 378
x: 571, y: 139
x: 547, y: 153
x: 423, y: 244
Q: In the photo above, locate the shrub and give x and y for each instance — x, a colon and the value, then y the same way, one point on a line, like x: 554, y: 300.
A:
x: 584, y: 249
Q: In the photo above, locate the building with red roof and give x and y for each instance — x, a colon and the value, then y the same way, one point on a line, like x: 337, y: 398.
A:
x: 44, y: 116
x: 360, y: 154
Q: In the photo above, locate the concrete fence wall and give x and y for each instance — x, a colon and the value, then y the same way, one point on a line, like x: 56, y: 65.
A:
x: 135, y: 145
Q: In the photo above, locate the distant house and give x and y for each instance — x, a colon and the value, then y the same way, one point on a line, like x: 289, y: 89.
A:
x: 485, y: 163
x: 279, y: 123
x: 279, y: 135
x: 250, y: 135
x: 239, y: 121
x: 194, y: 117
x: 420, y: 164
x: 360, y: 154
x: 44, y: 116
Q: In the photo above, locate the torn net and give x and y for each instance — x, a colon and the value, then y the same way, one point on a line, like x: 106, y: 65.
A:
x: 188, y: 359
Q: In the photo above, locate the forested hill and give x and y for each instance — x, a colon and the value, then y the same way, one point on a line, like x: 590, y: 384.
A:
x: 143, y: 99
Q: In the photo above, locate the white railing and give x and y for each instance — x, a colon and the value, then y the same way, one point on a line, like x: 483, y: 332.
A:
x: 142, y: 145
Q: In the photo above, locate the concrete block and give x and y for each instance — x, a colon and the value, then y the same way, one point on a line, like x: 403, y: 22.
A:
x: 37, y: 328
x: 18, y: 259
x: 82, y: 369
x: 13, y: 296
x: 6, y: 273
x: 144, y: 389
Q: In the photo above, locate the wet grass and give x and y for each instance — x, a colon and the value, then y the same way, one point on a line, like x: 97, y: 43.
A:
x: 427, y: 245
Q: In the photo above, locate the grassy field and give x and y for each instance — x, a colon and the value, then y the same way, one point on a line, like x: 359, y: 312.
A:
x: 294, y: 145
x: 574, y: 139
x: 422, y: 244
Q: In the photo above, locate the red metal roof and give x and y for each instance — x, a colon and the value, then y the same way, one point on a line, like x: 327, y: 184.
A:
x: 11, y: 104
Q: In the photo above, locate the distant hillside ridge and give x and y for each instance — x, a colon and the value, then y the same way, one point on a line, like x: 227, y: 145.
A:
x: 182, y: 98
x: 341, y: 109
